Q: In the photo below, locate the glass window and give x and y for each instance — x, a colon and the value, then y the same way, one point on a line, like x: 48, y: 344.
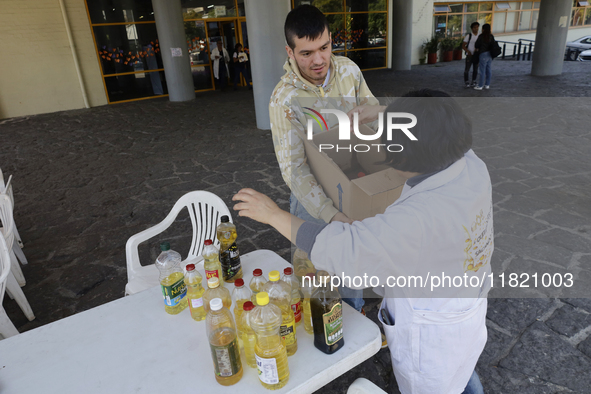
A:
x: 323, y: 5
x: 526, y: 5
x: 588, y: 16
x: 134, y: 86
x: 441, y: 8
x: 499, y: 22
x: 202, y: 77
x: 525, y: 20
x: 512, y: 20
x: 241, y: 11
x: 373, y: 58
x: 365, y: 5
x: 502, y: 7
x: 514, y: 5
x: 117, y: 11
x: 440, y: 25
x: 534, y: 19
x: 486, y: 6
x: 337, y: 31
x: 577, y: 18
x: 198, y: 9
x: 472, y: 7
x: 128, y: 48
x: 456, y: 8
x: 378, y: 5
x: 468, y: 20
x: 485, y: 18
x: 537, y: 5
x: 197, y: 42
x: 454, y: 25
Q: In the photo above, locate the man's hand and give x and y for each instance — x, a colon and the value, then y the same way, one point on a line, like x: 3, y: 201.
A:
x: 341, y: 217
x: 256, y: 206
x: 367, y: 113
x: 217, y: 57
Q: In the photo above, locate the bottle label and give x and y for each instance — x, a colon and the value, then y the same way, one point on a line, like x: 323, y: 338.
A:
x: 287, y: 332
x: 267, y: 368
x: 333, y: 324
x: 297, y: 311
x: 197, y: 302
x: 174, y: 293
x: 226, y: 359
x: 230, y: 260
x: 212, y: 274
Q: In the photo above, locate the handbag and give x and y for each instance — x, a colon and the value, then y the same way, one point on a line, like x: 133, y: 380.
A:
x: 495, y: 48
x: 476, y: 57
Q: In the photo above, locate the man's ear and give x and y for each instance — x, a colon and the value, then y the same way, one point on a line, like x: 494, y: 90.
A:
x: 289, y: 52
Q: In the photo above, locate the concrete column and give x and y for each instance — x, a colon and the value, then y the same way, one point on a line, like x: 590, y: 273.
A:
x: 265, y: 20
x: 171, y: 34
x: 401, y: 37
x: 551, y: 34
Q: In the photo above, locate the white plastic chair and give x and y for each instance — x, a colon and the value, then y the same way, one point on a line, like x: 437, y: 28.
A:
x: 205, y: 210
x: 6, y: 188
x: 364, y: 386
x: 16, y: 279
x: 7, y: 328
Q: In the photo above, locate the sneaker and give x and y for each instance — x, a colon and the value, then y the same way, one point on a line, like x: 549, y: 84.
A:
x: 477, y: 87
x: 467, y: 85
x: 384, y: 342
x: 474, y: 83
x: 487, y: 86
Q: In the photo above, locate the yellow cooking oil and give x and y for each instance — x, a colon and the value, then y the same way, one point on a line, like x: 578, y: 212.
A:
x: 224, y: 344
x: 174, y: 293
x: 279, y: 293
x: 249, y: 338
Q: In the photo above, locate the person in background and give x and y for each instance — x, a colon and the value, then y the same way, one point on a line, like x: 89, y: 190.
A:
x: 483, y: 46
x: 471, y: 58
x: 220, y: 58
x: 240, y: 61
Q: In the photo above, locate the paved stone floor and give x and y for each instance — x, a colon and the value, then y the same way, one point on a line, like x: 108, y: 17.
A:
x: 86, y: 180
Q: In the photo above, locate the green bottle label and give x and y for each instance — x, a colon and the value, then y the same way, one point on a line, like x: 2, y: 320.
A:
x: 226, y: 359
x: 333, y: 324
x: 174, y: 293
x: 230, y: 260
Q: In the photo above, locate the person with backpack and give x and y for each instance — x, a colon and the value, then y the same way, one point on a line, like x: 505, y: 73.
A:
x: 487, y: 49
x: 471, y: 56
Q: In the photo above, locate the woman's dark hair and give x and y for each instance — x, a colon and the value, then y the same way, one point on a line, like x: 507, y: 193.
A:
x: 443, y: 132
x: 486, y: 34
x: 238, y: 45
x: 304, y: 21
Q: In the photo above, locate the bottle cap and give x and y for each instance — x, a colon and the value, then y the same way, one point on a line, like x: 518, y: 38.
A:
x: 288, y: 271
x: 239, y: 282
x: 216, y: 304
x: 262, y: 298
x: 213, y: 282
x: 190, y: 267
x: 274, y: 276
x: 225, y: 219
x: 323, y: 277
x: 164, y: 246
x: 207, y: 242
x: 248, y: 306
x: 257, y: 272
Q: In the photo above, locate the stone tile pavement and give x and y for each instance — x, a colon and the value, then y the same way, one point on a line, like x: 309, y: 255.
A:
x: 86, y: 180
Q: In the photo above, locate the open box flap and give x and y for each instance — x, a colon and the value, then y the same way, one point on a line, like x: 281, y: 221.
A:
x: 380, y: 182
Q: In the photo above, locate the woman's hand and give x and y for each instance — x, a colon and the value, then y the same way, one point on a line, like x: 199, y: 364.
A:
x: 367, y: 113
x: 255, y: 205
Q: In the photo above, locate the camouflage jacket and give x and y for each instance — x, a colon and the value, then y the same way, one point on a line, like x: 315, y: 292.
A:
x: 346, y: 81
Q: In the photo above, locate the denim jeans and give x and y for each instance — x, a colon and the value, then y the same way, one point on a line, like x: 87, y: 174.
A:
x: 474, y: 386
x: 353, y: 297
x: 484, y: 68
x: 237, y: 71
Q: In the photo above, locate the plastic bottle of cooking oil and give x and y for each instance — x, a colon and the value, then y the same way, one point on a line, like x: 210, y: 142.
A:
x: 240, y: 295
x: 214, y: 290
x: 229, y: 254
x: 279, y: 293
x: 248, y: 336
x: 256, y: 283
x: 302, y: 264
x: 296, y: 294
x: 195, y: 292
x: 307, y: 289
x: 270, y: 351
x: 211, y: 262
x: 171, y: 279
x: 221, y: 333
x: 327, y: 315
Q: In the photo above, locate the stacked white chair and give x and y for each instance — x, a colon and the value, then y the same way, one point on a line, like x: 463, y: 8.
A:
x: 205, y: 210
x: 6, y: 188
x: 7, y: 328
x: 16, y: 278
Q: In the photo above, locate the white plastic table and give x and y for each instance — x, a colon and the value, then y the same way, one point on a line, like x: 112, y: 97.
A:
x: 131, y: 345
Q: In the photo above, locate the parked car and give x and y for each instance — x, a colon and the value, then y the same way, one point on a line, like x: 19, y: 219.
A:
x: 573, y: 48
x: 585, y: 56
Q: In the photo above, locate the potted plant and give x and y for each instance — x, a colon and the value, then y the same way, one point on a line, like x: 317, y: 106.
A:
x: 447, y: 47
x: 430, y: 47
x: 458, y: 48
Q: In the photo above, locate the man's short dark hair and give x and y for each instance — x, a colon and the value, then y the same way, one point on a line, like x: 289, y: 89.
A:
x: 304, y: 21
x: 443, y: 132
x: 474, y: 24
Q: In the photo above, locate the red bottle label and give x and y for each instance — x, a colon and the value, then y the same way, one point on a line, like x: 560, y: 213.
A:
x: 297, y: 311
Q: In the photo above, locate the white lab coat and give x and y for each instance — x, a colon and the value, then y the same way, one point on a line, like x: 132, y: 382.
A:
x: 442, y: 225
x: 215, y: 52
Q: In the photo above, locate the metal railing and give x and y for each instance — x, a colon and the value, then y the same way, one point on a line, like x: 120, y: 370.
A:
x: 522, y: 49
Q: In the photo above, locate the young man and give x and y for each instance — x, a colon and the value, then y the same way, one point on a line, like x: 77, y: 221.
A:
x: 441, y: 225
x: 312, y: 71
x: 471, y: 61
x: 220, y: 58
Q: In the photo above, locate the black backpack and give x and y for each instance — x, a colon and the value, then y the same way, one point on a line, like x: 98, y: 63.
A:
x: 495, y: 48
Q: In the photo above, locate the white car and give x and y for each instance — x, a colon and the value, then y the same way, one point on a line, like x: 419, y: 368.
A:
x: 585, y: 56
x: 576, y: 46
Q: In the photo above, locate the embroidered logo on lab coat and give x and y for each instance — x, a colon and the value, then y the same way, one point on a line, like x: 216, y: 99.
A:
x: 479, y: 242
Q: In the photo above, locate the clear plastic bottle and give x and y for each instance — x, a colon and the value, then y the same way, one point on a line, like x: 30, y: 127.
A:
x: 195, y: 292
x: 256, y: 283
x: 279, y: 293
x: 248, y: 336
x: 307, y: 289
x: 211, y: 262
x: 221, y: 333
x: 270, y: 351
x: 296, y: 294
x: 214, y: 290
x: 302, y: 264
x: 240, y: 295
x: 327, y: 315
x: 171, y: 280
x: 229, y: 254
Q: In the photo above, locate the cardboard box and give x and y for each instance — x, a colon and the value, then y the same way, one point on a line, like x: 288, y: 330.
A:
x: 338, y: 174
